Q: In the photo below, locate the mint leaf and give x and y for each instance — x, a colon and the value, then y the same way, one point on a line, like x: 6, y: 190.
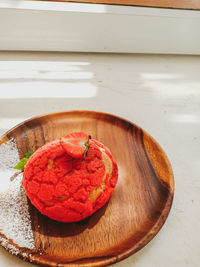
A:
x: 87, y: 148
x: 28, y: 154
x: 20, y: 165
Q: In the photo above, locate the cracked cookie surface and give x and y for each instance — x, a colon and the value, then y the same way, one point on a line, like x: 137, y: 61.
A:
x: 68, y: 189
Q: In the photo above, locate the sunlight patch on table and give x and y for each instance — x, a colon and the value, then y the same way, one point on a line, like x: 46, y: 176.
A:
x: 174, y: 90
x: 43, y: 65
x: 160, y: 76
x: 38, y: 89
x: 186, y: 118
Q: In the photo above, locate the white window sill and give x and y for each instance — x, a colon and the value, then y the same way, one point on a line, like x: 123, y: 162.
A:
x: 54, y: 26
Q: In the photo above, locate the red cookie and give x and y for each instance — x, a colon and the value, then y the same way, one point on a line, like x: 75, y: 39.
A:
x: 68, y: 189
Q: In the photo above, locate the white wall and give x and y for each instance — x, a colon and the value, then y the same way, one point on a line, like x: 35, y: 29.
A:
x: 54, y: 26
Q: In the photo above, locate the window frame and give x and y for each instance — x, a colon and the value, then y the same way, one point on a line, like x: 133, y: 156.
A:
x: 81, y: 27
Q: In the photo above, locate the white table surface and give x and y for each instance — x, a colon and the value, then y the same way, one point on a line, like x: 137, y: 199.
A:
x: 159, y: 93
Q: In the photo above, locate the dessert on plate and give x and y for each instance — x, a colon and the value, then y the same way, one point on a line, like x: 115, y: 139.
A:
x: 70, y: 178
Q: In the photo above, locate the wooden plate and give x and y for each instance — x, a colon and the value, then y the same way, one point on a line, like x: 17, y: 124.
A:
x: 134, y: 215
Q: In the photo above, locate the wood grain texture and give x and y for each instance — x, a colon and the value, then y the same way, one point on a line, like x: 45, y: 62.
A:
x: 178, y: 4
x: 137, y: 210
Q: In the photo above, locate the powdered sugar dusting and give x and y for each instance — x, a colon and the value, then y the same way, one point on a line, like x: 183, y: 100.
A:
x: 13, y: 249
x: 15, y: 221
x: 3, y: 241
x: 8, y: 155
